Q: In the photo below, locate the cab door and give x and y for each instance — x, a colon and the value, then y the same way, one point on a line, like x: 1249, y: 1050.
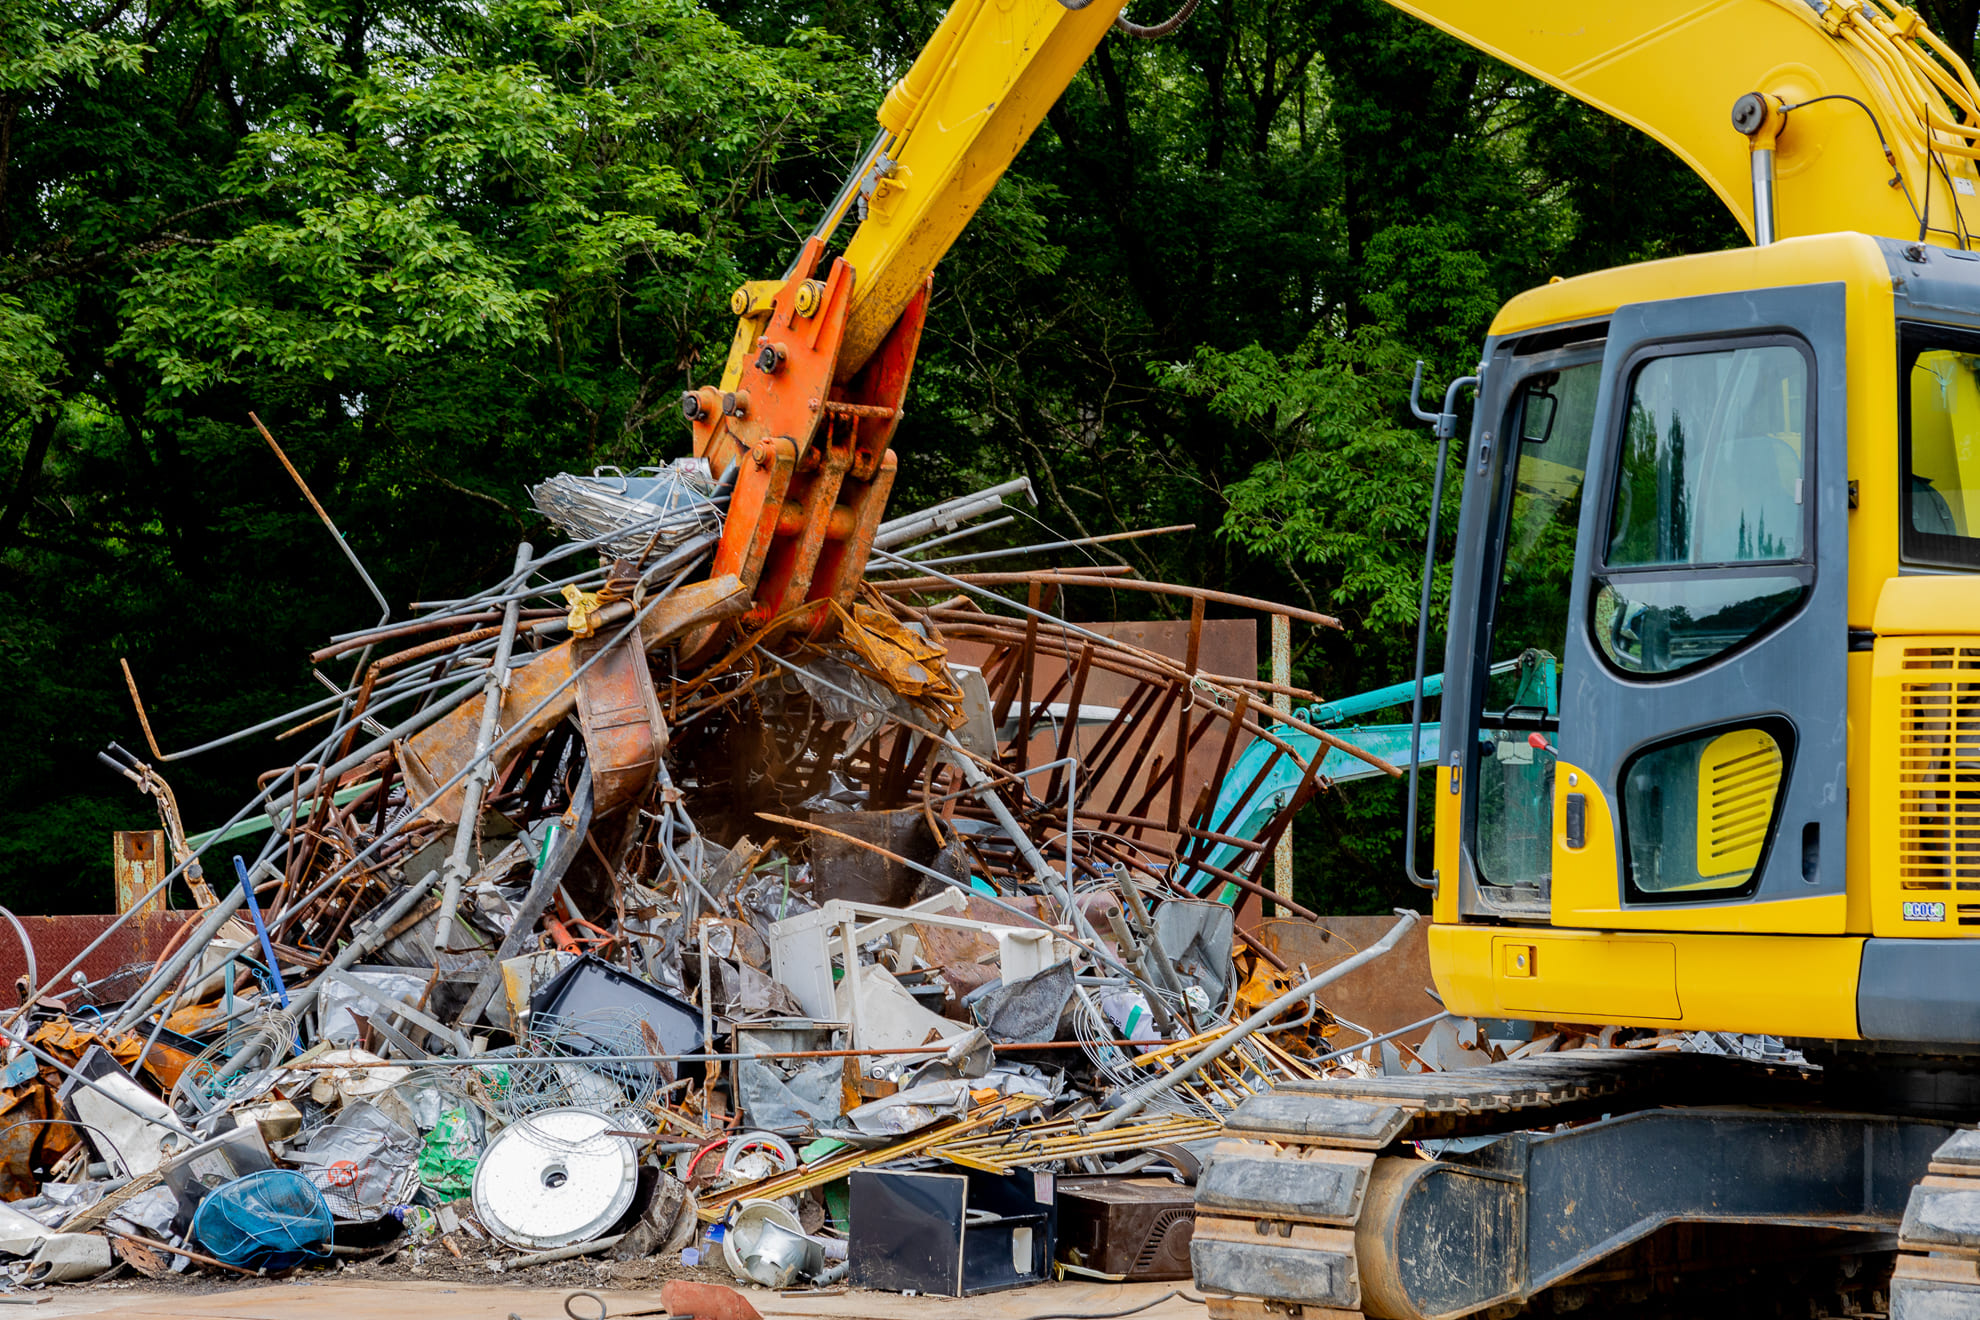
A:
x: 1703, y: 732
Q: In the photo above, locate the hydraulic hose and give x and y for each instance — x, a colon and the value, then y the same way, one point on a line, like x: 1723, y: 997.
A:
x: 1158, y: 30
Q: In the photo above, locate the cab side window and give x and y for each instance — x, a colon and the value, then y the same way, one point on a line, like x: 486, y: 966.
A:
x: 1553, y: 416
x: 1940, y: 497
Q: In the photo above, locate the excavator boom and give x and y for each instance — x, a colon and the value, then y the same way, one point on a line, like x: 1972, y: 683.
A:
x: 1804, y: 116
x: 1859, y: 84
x: 1857, y: 79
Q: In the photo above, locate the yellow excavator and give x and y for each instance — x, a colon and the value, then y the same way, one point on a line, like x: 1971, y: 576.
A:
x: 1734, y: 785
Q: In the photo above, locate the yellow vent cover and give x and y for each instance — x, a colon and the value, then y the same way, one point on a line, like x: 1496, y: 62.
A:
x: 1739, y: 775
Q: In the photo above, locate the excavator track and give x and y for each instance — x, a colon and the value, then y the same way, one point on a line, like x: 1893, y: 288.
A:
x: 1938, y: 1271
x: 1433, y: 1196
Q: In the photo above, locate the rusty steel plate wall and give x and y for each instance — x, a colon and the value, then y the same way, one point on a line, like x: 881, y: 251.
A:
x: 58, y: 939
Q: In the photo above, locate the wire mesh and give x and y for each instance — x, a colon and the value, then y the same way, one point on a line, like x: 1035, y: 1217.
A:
x: 1096, y: 1032
x: 595, y: 506
x: 121, y: 984
x: 219, y: 1076
x: 514, y: 1090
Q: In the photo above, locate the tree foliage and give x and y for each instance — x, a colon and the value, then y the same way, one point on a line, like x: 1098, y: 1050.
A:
x: 446, y: 247
x: 441, y: 248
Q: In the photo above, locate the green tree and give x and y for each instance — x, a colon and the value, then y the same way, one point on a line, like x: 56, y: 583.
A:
x: 443, y: 248
x: 446, y: 248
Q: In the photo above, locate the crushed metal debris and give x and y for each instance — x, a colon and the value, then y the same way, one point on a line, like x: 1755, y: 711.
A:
x: 597, y: 918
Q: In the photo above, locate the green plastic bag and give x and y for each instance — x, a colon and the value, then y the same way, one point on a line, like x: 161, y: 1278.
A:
x: 448, y: 1158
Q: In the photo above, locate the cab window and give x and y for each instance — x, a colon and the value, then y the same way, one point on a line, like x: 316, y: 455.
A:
x: 1709, y: 526
x: 1553, y: 419
x: 1939, y: 494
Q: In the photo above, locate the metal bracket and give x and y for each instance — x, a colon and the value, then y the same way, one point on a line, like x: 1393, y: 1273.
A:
x: 1446, y: 421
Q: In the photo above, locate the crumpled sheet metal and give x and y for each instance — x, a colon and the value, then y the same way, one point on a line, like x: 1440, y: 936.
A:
x: 911, y: 1110
x: 742, y: 993
x: 808, y: 1099
x: 26, y: 1140
x: 362, y: 1161
x: 911, y: 665
x: 69, y: 1041
x: 1025, y: 1012
x: 20, y: 1235
x: 1197, y: 935
x: 67, y: 1257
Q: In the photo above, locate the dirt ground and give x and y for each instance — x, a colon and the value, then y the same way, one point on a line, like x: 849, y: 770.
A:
x: 342, y: 1295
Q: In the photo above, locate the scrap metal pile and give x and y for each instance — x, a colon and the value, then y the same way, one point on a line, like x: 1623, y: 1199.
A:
x: 594, y: 918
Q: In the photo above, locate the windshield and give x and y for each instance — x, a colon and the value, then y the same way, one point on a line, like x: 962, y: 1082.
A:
x: 1712, y: 462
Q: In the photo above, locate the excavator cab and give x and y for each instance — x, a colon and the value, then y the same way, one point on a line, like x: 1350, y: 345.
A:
x: 1719, y: 507
x: 1674, y: 495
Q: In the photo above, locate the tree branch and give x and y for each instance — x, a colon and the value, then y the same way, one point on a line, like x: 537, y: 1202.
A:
x: 39, y: 439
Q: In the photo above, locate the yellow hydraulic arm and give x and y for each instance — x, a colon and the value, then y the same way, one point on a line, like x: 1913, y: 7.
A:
x: 803, y: 419
x: 1805, y: 116
x: 1673, y: 68
x: 1840, y: 83
x: 948, y: 131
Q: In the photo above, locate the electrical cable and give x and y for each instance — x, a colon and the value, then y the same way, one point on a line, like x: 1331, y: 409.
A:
x: 716, y: 1144
x: 1897, y: 175
x: 1114, y: 1315
x: 1925, y: 220
x: 603, y: 1314
x: 1959, y: 216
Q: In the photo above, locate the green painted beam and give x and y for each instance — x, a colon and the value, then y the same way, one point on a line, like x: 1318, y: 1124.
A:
x: 256, y: 824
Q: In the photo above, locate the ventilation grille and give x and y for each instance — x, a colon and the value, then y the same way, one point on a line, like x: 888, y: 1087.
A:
x: 1939, y: 769
x: 1739, y: 776
x: 1159, y: 1245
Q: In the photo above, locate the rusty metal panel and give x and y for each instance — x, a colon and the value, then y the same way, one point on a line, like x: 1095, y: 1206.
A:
x: 430, y: 757
x: 624, y: 734
x: 137, y: 862
x: 1224, y: 646
x: 859, y: 875
x: 58, y: 939
x: 1388, y: 993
